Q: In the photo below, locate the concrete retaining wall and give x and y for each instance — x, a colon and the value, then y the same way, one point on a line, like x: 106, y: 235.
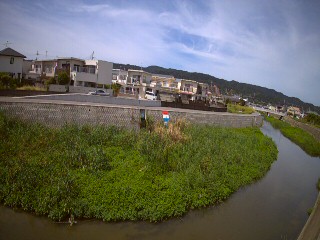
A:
x: 58, y: 114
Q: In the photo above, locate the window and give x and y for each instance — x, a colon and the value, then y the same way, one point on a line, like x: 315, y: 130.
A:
x: 11, y: 60
x: 76, y: 68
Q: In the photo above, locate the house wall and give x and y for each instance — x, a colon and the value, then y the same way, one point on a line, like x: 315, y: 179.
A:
x: 119, y: 76
x: 26, y: 66
x: 142, y: 74
x: 182, y: 85
x: 101, y: 76
x: 15, y: 67
x: 104, y: 72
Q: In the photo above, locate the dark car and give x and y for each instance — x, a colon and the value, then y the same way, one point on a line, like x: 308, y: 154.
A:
x: 99, y: 92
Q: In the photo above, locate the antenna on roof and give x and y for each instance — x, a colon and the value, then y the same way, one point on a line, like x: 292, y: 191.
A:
x: 37, y: 55
x: 92, y: 55
x: 7, y: 43
x: 46, y: 53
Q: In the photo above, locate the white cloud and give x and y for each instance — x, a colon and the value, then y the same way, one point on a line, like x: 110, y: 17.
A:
x: 271, y: 43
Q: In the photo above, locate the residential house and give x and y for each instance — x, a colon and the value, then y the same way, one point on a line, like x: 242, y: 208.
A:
x: 119, y: 76
x: 187, y: 88
x: 83, y: 73
x: 203, y: 90
x: 92, y: 73
x: 272, y: 108
x: 27, y: 70
x: 11, y: 62
x: 163, y: 83
x: 136, y: 82
x: 294, y: 111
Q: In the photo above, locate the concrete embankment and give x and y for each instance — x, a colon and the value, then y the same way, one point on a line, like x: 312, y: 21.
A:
x: 311, y: 230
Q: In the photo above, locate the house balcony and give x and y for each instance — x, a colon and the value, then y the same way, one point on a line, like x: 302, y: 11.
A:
x: 88, y: 69
x: 133, y: 81
x: 84, y: 77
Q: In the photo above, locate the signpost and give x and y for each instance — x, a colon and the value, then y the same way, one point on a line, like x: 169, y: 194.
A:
x: 166, y: 117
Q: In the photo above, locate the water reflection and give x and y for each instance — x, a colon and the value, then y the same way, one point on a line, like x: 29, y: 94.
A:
x: 273, y: 208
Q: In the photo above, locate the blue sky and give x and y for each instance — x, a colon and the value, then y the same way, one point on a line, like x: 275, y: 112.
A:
x: 270, y: 43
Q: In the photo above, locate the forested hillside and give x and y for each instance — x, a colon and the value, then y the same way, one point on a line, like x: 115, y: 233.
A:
x: 254, y: 93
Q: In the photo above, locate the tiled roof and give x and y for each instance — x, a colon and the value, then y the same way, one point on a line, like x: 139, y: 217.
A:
x: 11, y: 52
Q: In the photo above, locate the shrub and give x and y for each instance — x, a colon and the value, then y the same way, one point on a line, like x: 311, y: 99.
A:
x: 232, y: 108
x: 6, y: 81
x: 63, y: 78
x: 116, y: 88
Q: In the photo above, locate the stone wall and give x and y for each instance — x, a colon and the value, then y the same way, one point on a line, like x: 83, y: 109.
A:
x: 58, y: 114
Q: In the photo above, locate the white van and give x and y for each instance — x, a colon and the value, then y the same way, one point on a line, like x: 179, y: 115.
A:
x: 150, y: 95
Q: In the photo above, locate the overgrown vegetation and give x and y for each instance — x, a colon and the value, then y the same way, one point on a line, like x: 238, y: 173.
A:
x: 302, y: 138
x: 114, y: 174
x: 312, y: 119
x: 31, y: 88
x: 234, y: 108
x: 7, y: 82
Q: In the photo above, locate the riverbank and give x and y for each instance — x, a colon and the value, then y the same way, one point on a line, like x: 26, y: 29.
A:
x: 299, y: 136
x: 115, y: 174
x: 313, y: 130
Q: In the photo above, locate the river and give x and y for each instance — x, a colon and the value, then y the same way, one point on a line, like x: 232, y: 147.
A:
x: 275, y: 207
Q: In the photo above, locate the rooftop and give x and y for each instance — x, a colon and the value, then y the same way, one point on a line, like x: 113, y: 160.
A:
x: 10, y: 52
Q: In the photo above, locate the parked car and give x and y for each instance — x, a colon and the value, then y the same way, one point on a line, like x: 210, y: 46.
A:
x: 99, y: 92
x: 150, y: 95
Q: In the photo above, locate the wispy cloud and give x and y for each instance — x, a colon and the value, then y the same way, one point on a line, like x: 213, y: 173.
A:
x: 270, y: 43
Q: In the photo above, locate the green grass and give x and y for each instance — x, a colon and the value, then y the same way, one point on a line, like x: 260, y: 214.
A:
x: 115, y: 174
x: 302, y: 138
x: 232, y: 108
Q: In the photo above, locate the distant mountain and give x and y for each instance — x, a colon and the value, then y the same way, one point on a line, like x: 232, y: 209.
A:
x: 255, y: 93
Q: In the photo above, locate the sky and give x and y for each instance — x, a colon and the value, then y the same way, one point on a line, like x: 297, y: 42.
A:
x: 269, y: 43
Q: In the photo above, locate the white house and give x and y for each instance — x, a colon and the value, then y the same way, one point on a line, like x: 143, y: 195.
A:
x: 83, y: 73
x: 92, y: 73
x: 11, y: 62
x: 119, y: 76
x: 134, y: 82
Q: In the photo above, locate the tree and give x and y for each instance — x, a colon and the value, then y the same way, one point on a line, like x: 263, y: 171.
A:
x: 116, y: 89
x: 63, y: 78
